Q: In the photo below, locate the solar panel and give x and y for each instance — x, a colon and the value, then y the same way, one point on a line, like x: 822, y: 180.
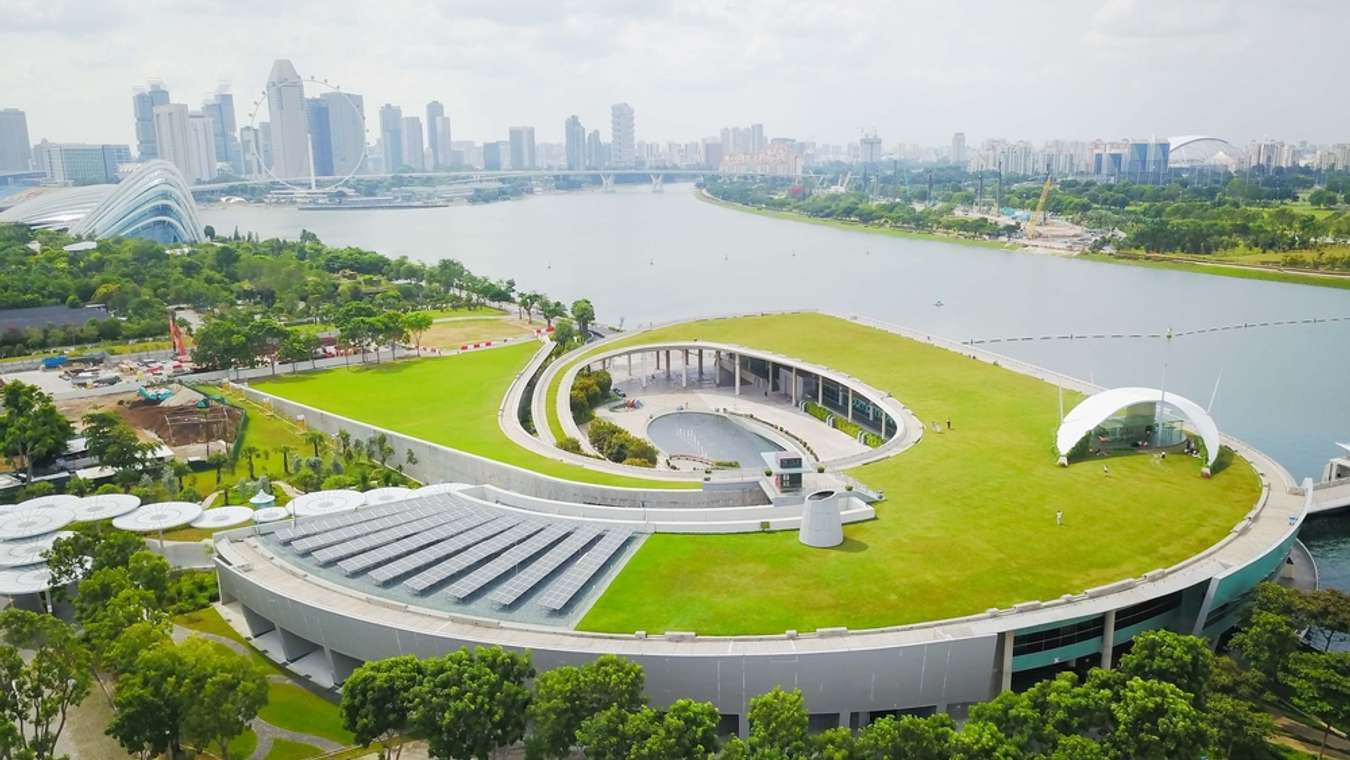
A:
x: 312, y: 526
x: 561, y: 591
x: 470, y: 557
x: 437, y: 552
x: 521, y: 582
x: 383, y: 554
x: 511, y: 558
x: 331, y: 537
x: 369, y: 541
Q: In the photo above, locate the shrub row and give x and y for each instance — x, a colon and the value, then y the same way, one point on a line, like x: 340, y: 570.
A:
x: 588, y: 390
x: 619, y: 445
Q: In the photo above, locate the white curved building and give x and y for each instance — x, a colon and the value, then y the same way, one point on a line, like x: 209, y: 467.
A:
x: 1148, y: 404
x: 154, y: 203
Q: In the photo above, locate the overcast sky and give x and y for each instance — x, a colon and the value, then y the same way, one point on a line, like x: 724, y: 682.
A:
x: 915, y: 71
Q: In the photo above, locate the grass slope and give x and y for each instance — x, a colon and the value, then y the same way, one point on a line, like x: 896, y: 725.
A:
x: 969, y: 517
x: 451, y: 401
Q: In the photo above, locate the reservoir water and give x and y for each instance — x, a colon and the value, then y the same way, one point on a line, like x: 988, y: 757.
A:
x: 646, y: 257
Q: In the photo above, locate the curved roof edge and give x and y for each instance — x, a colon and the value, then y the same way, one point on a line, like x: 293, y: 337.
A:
x: 1096, y: 408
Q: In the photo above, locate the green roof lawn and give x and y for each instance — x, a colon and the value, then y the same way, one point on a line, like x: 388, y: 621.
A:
x: 451, y: 400
x: 969, y: 517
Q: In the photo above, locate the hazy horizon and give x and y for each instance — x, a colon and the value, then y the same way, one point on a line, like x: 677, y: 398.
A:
x: 810, y: 71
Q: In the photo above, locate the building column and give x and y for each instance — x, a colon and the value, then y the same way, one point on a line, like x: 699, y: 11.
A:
x: 700, y: 365
x: 658, y: 360
x: 736, y: 359
x: 794, y: 385
x: 684, y: 370
x: 1005, y: 642
x: 630, y: 366
x: 667, y: 364
x: 820, y: 390
x: 850, y: 403
x: 1108, y: 637
x: 770, y: 365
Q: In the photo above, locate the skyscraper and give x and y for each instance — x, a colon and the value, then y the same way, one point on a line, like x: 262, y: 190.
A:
x: 522, y: 147
x: 79, y: 163
x: 143, y: 105
x: 16, y: 153
x: 286, y: 113
x: 173, y: 136
x: 250, y: 147
x: 757, y: 141
x: 347, y: 131
x: 959, y: 148
x: 574, y: 137
x: 595, y: 151
x: 435, y: 112
x: 391, y: 137
x: 201, y: 147
x: 413, y: 153
x: 493, y: 153
x: 220, y: 110
x: 623, y: 136
x: 444, y: 153
x: 320, y: 136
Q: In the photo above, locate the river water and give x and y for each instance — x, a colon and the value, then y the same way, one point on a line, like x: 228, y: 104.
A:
x: 649, y: 257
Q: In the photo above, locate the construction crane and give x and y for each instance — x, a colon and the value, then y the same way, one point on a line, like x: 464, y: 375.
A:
x: 1039, y: 216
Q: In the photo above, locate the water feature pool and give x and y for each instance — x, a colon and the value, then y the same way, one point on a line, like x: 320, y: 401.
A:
x: 709, y: 435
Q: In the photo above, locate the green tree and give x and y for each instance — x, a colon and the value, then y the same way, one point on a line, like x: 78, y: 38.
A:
x: 1241, y: 728
x: 1183, y: 661
x: 248, y: 453
x: 229, y: 692
x: 470, y: 703
x: 687, y: 731
x: 584, y: 313
x: 377, y: 701
x: 1319, y: 685
x: 1328, y: 611
x: 37, y: 694
x: 551, y: 310
x: 565, y: 697
x: 217, y: 462
x: 778, y: 723
x: 32, y: 431
x: 416, y: 324
x: 92, y: 548
x: 910, y: 736
x: 1154, y: 720
x: 318, y: 440
x: 1266, y: 642
x: 114, y: 443
x: 298, y: 346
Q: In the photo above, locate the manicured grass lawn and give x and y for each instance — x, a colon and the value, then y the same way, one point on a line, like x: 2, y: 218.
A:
x: 292, y: 707
x: 243, y: 745
x: 475, y: 311
x: 451, y: 400
x: 267, y: 432
x: 450, y: 335
x: 969, y: 517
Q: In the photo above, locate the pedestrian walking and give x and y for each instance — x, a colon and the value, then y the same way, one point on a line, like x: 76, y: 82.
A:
x: 1106, y: 470
x: 949, y: 423
x: 1059, y: 517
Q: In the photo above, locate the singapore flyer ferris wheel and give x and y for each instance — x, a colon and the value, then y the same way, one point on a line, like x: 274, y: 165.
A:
x: 315, y: 130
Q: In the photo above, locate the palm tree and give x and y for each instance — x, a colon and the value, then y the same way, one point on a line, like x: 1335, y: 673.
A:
x: 249, y: 452
x: 217, y: 462
x: 410, y: 457
x: 345, y: 444
x: 180, y: 471
x: 286, y: 451
x: 381, y: 449
x: 317, y: 439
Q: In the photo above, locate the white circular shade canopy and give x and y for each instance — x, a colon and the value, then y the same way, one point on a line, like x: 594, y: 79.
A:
x: 16, y: 581
x: 161, y: 516
x: 52, y: 500
x: 436, y: 488
x: 270, y: 514
x: 387, y: 494
x: 1097, y: 408
x: 221, y: 517
x: 105, y: 506
x: 27, y: 523
x: 327, y: 502
x: 29, y: 551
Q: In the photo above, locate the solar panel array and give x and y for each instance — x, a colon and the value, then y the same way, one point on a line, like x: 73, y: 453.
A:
x: 447, y: 544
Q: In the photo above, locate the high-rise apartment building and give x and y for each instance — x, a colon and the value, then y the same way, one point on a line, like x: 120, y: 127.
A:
x: 959, y: 148
x: 757, y: 141
x: 346, y: 131
x: 202, y: 147
x: 320, y: 136
x: 79, y: 163
x: 391, y: 137
x: 595, y: 151
x: 286, y: 114
x: 16, y: 153
x: 574, y: 140
x: 435, y: 112
x: 623, y: 135
x: 220, y: 110
x: 869, y: 149
x: 143, y: 105
x: 173, y: 136
x: 443, y: 155
x: 496, y: 156
x: 712, y: 152
x: 413, y: 152
x: 522, y: 147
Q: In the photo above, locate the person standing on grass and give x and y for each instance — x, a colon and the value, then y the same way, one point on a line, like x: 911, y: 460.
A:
x: 1106, y: 470
x: 1059, y: 517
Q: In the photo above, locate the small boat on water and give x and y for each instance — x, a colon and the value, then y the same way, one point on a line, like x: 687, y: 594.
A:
x: 938, y: 303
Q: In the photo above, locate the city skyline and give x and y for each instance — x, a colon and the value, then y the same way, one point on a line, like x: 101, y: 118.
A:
x: 1101, y: 70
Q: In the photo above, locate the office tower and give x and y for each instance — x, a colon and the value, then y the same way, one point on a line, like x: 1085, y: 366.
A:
x: 320, y: 136
x: 712, y: 152
x: 522, y: 147
x: 347, y: 131
x: 16, y: 153
x: 286, y: 113
x: 595, y: 151
x: 413, y: 153
x: 493, y: 153
x: 201, y: 147
x: 250, y: 148
x: 220, y: 110
x: 443, y: 154
x: 959, y: 148
x: 757, y: 141
x: 466, y: 153
x: 143, y: 105
x: 391, y: 137
x: 870, y: 149
x: 435, y: 112
x: 79, y: 163
x: 623, y: 135
x: 574, y: 137
x: 173, y: 136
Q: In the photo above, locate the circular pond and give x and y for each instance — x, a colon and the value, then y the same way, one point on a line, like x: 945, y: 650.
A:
x: 710, y: 436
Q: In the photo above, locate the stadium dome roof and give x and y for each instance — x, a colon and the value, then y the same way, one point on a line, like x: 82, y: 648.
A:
x: 153, y: 203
